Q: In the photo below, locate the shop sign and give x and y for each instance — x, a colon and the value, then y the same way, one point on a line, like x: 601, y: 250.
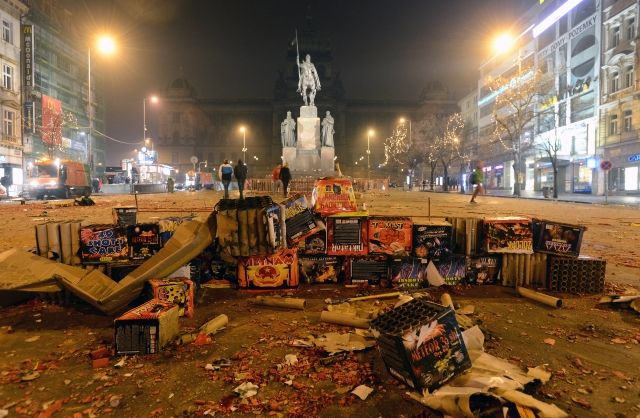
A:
x: 634, y: 158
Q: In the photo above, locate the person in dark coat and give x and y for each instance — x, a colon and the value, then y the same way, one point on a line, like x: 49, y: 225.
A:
x: 240, y: 173
x: 285, y: 177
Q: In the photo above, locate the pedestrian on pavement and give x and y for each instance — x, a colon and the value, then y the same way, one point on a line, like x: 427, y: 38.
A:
x: 275, y: 177
x: 240, y: 173
x: 170, y: 184
x: 477, y: 179
x: 225, y: 172
x: 285, y: 177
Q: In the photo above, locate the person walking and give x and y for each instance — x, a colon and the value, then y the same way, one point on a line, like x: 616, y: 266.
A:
x: 170, y: 185
x: 275, y: 177
x: 285, y: 177
x: 477, y: 179
x: 240, y: 173
x: 225, y: 172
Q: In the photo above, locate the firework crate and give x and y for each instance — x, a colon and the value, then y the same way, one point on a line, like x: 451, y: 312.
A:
x: 452, y: 269
x: 125, y: 216
x: 421, y: 344
x: 390, y: 235
x: 103, y: 244
x: 147, y: 328
x: 557, y: 238
x: 347, y: 234
x: 408, y: 273
x: 524, y: 269
x: 508, y: 234
x: 300, y: 221
x: 144, y: 241
x: 314, y: 244
x: 484, y: 269
x: 179, y: 292
x: 576, y: 275
x: 466, y: 236
x: 432, y: 239
x: 320, y: 268
x: 370, y: 270
x: 276, y: 271
x: 167, y: 226
x: 334, y: 195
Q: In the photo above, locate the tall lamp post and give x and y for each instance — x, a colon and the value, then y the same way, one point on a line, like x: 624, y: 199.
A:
x: 152, y: 99
x: 370, y: 133
x: 107, y: 46
x: 244, y: 144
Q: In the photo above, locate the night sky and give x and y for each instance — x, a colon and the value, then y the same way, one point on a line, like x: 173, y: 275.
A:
x: 233, y: 49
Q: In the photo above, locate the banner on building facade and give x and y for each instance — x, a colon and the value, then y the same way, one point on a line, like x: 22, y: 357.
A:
x: 28, y: 119
x: 28, y: 54
x: 51, y: 121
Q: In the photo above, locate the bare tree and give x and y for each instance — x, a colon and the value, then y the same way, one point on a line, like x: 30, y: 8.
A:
x: 448, y: 145
x: 427, y: 144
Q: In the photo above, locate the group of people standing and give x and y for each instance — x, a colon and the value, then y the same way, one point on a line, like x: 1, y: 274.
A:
x: 280, y: 175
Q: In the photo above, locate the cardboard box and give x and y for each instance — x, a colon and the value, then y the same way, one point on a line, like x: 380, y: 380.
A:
x: 103, y: 244
x: 408, y: 273
x: 276, y: 271
x: 577, y: 275
x: 334, y: 195
x: 167, y: 226
x: 147, y: 328
x: 314, y: 244
x: 557, y: 238
x: 370, y: 270
x: 484, y: 270
x: 390, y: 235
x: 347, y: 234
x: 178, y: 292
x: 276, y: 227
x: 300, y: 221
x: 144, y: 241
x: 452, y: 268
x: 432, y: 240
x: 509, y: 234
x: 430, y: 353
x: 125, y: 216
x: 320, y: 269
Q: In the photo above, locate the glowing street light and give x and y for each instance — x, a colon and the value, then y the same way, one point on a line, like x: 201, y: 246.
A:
x: 244, y: 143
x: 152, y: 99
x: 503, y: 43
x: 369, y: 135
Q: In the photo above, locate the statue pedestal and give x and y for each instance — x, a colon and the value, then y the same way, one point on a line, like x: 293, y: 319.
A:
x: 327, y: 155
x: 308, y: 133
x: 308, y: 157
x: 308, y: 112
x: 289, y: 156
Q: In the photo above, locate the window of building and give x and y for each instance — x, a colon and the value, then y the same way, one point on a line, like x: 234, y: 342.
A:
x: 627, y: 121
x: 7, y: 77
x: 615, y: 37
x: 631, y: 28
x: 629, y: 76
x: 614, y: 83
x: 7, y: 31
x: 9, y: 117
x: 584, y: 10
x: 582, y: 106
x: 613, y: 124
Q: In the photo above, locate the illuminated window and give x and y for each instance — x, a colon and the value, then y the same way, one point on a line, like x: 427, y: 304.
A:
x: 613, y: 124
x: 7, y: 76
x: 627, y: 121
x: 9, y: 117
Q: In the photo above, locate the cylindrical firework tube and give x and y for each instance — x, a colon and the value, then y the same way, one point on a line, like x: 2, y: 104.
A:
x: 215, y: 324
x: 342, y: 319
x: 540, y: 297
x: 445, y: 300
x: 291, y: 303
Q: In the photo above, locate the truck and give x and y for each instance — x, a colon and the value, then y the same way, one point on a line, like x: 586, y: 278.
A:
x: 56, y: 178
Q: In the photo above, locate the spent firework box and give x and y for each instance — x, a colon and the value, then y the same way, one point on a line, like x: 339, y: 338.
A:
x: 167, y: 226
x: 452, y: 269
x: 484, y: 269
x: 211, y: 268
x: 432, y: 239
x: 370, y: 270
x: 273, y: 218
x: 390, y: 235
x: 299, y: 220
x: 144, y: 241
x: 275, y: 271
x: 179, y: 292
x: 557, y: 238
x: 147, y: 328
x: 103, y: 244
x: 334, y: 195
x: 319, y: 269
x: 408, y: 273
x: 508, y: 234
x: 347, y: 234
x: 314, y: 244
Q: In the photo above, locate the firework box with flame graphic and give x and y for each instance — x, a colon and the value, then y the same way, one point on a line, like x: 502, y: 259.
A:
x: 557, y: 238
x: 432, y: 240
x: 320, y: 269
x: 144, y: 240
x: 276, y: 271
x: 103, y: 244
x: 390, y: 235
x: 508, y: 234
x: 408, y: 273
x: 421, y: 344
x: 334, y: 195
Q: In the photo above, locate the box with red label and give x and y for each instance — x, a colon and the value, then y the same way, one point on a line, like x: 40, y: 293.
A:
x: 390, y: 235
x: 147, y: 328
x: 276, y: 271
x: 179, y: 292
x: 144, y: 240
x: 299, y: 220
x: 103, y: 244
x: 370, y: 270
x: 509, y: 234
x: 334, y: 195
x: 320, y: 269
x: 314, y: 244
x: 347, y: 234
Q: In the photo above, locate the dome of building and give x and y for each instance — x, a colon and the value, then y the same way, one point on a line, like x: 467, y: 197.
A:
x: 180, y: 87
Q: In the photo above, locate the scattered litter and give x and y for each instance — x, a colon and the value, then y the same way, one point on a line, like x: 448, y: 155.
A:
x: 120, y: 363
x: 301, y: 343
x: 67, y: 382
x: 30, y: 376
x: 467, y: 310
x: 362, y: 391
x: 334, y: 342
x: 114, y: 401
x: 549, y: 341
x: 246, y: 390
x: 288, y: 382
x: 539, y: 373
x: 218, y: 364
x: 617, y: 399
x: 4, y: 413
x: 32, y: 339
x: 290, y: 359
x: 582, y: 402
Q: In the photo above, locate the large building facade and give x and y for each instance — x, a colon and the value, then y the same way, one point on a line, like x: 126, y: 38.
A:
x: 588, y: 49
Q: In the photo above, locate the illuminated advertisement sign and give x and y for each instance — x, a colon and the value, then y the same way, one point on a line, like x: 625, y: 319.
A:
x: 554, y: 17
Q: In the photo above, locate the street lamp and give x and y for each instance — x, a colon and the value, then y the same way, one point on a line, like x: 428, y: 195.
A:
x: 244, y: 143
x: 152, y: 99
x: 402, y: 121
x: 106, y: 46
x: 369, y: 134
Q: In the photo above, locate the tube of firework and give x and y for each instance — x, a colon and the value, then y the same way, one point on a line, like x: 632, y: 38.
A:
x: 75, y: 243
x: 243, y: 227
x: 41, y: 240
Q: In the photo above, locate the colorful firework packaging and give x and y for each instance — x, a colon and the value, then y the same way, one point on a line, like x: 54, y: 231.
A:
x: 347, y: 234
x: 408, y: 273
x: 319, y: 269
x: 390, y: 235
x: 334, y: 195
x: 557, y: 238
x: 276, y: 271
x: 509, y: 234
x: 103, y: 244
x: 432, y: 240
x: 146, y: 328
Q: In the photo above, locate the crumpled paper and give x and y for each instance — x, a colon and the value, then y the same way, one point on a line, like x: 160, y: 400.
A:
x: 362, y: 391
x: 246, y: 390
